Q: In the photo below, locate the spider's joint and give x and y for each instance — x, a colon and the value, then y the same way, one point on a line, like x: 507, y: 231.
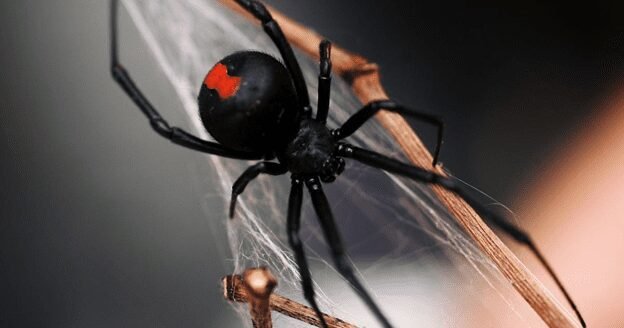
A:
x: 342, y: 148
x: 307, y: 111
x: 162, y: 127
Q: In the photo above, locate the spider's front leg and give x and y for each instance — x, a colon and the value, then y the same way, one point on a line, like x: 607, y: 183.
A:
x: 369, y: 110
x: 338, y: 253
x: 258, y: 10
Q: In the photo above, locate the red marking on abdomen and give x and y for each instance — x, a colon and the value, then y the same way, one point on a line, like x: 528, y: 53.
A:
x: 219, y: 80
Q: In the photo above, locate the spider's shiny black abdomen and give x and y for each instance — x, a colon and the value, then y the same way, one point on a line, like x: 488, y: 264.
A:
x: 248, y: 102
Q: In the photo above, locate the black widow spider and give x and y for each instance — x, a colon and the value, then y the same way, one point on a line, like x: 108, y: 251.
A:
x: 257, y: 108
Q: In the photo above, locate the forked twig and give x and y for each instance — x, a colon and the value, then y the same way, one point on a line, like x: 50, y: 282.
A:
x: 255, y: 287
x: 259, y: 284
x: 365, y: 82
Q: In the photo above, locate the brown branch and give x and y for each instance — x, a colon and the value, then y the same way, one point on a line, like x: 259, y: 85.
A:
x: 234, y: 290
x: 259, y: 284
x: 367, y: 87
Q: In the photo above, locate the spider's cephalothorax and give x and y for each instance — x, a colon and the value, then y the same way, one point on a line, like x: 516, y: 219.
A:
x: 248, y: 102
x: 256, y: 108
x: 312, y: 152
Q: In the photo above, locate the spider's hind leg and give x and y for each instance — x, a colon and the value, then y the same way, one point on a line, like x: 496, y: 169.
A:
x: 419, y: 174
x: 338, y: 253
x: 159, y: 124
x: 251, y: 173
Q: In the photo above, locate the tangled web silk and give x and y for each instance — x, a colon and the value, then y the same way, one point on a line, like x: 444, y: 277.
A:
x: 416, y: 261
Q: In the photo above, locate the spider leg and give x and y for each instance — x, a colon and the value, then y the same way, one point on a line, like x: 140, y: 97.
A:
x: 365, y: 113
x: 251, y: 173
x: 158, y: 123
x: 294, y: 223
x: 324, y: 81
x: 258, y: 10
x: 416, y: 173
x: 338, y: 253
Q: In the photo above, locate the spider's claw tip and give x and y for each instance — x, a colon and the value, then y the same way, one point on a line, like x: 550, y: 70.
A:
x: 232, y: 206
x: 436, y: 162
x: 325, y: 48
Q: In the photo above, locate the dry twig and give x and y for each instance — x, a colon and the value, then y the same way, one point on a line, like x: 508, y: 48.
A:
x: 259, y: 284
x: 236, y: 288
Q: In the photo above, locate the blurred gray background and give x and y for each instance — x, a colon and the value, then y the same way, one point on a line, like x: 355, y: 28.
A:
x: 101, y: 221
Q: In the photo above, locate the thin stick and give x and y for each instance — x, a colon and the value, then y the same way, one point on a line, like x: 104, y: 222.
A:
x: 365, y: 81
x: 234, y: 290
x: 259, y: 284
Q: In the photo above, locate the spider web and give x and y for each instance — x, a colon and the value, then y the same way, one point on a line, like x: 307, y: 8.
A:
x: 418, y: 264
